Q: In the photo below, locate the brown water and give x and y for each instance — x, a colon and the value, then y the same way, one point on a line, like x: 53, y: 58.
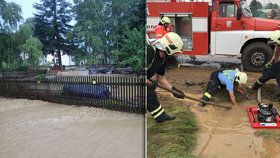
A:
x: 228, y: 134
x: 46, y: 130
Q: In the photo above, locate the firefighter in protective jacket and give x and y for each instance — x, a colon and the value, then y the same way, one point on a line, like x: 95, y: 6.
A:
x: 272, y: 68
x: 163, y: 27
x: 170, y: 44
x: 228, y: 79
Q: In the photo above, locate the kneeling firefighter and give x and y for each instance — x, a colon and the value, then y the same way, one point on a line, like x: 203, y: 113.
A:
x: 170, y: 44
x: 272, y: 68
x: 228, y: 79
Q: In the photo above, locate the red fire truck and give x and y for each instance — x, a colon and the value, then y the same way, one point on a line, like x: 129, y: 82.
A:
x: 220, y: 28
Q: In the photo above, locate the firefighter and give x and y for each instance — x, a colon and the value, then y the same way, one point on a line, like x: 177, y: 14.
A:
x: 170, y: 44
x: 163, y: 27
x: 272, y: 68
x: 228, y: 79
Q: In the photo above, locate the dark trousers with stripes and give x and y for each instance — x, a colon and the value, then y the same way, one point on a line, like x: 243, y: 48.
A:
x: 153, y: 104
x: 213, y: 85
x: 273, y: 72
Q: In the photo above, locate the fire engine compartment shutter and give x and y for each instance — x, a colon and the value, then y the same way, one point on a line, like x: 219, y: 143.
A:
x: 182, y: 25
x: 197, y: 12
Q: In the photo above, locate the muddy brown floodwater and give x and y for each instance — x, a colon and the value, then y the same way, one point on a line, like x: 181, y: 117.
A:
x: 229, y: 134
x: 223, y: 134
x: 37, y: 129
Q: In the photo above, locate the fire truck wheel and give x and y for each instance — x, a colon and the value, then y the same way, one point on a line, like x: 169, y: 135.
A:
x: 255, y: 56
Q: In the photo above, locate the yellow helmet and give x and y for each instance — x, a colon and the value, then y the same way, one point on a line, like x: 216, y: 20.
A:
x: 165, y: 20
x: 274, y: 37
x: 171, y: 43
x: 241, y: 77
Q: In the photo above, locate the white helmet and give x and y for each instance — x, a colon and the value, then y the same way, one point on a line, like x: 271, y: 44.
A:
x: 171, y: 43
x: 165, y: 20
x: 241, y: 77
x: 274, y: 37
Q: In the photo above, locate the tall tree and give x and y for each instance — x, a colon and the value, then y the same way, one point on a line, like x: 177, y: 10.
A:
x: 129, y: 37
x: 10, y: 16
x: 103, y: 26
x: 52, y: 23
x: 132, y: 51
x: 91, y: 29
x: 29, y: 47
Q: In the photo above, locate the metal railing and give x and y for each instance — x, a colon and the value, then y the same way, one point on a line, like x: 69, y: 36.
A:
x: 119, y: 93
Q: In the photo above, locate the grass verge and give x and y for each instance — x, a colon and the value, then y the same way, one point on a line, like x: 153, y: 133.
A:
x: 172, y: 139
x: 269, y: 135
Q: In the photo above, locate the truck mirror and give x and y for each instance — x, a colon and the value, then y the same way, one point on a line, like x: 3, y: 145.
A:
x: 239, y: 14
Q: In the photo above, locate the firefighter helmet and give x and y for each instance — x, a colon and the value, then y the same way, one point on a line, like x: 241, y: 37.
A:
x: 274, y: 37
x: 165, y: 20
x: 171, y: 43
x: 241, y: 77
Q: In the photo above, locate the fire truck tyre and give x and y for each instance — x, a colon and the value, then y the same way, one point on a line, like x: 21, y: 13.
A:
x: 255, y: 56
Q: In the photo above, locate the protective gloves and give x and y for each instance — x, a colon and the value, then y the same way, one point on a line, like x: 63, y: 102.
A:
x: 153, y: 85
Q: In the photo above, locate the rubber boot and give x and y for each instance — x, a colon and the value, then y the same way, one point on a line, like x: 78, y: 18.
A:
x: 164, y: 117
x: 256, y: 86
x: 205, y: 99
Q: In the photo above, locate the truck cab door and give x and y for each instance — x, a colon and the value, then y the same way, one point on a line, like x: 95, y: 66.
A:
x: 228, y: 32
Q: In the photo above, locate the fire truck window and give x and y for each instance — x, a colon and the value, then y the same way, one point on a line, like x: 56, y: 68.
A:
x: 173, y: 23
x: 227, y: 10
x: 183, y: 26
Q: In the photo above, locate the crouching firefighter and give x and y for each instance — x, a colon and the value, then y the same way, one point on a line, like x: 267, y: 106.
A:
x: 228, y: 79
x: 272, y: 68
x: 170, y: 44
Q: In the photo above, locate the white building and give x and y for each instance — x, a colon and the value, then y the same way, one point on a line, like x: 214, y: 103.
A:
x: 66, y: 59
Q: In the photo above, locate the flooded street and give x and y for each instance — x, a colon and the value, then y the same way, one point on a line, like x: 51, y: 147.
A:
x: 38, y: 129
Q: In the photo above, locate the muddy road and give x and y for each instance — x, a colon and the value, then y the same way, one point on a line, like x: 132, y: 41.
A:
x: 37, y: 129
x: 225, y: 133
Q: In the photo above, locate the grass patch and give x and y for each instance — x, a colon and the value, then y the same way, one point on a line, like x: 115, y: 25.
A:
x: 269, y: 135
x: 172, y: 139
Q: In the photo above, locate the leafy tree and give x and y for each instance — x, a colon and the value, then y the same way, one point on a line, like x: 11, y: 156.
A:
x: 132, y: 52
x: 129, y: 38
x: 52, y: 25
x: 104, y: 26
x: 91, y: 29
x: 32, y: 49
x: 26, y: 44
x: 10, y: 15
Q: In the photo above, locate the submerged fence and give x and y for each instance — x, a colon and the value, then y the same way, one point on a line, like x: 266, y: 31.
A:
x: 111, y: 92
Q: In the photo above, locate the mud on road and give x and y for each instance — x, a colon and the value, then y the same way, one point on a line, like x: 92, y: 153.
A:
x: 225, y: 133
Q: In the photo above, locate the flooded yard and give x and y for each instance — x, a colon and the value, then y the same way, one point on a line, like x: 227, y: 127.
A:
x: 33, y: 128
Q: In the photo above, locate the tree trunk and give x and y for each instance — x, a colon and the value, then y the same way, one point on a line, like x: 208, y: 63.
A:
x: 59, y: 58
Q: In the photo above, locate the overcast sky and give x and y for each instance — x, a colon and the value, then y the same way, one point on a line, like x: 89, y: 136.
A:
x: 28, y: 10
x: 26, y: 7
